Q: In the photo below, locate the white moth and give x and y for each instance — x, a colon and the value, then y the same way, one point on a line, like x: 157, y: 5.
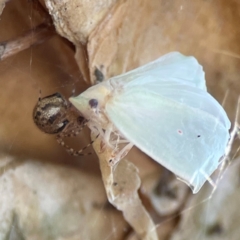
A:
x: 165, y: 110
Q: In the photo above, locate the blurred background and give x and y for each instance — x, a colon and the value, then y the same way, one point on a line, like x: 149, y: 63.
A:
x: 47, y: 194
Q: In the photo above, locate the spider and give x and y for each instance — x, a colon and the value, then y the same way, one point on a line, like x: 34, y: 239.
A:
x: 55, y: 115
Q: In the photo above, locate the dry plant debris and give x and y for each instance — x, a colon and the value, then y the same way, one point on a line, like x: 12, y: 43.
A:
x: 122, y: 183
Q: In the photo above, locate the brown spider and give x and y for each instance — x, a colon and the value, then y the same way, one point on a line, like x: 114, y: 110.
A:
x: 55, y: 115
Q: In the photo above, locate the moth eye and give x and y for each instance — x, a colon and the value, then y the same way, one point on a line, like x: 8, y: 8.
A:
x: 93, y: 103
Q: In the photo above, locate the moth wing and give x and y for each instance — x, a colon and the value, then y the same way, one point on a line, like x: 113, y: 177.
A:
x: 188, y: 139
x: 172, y: 66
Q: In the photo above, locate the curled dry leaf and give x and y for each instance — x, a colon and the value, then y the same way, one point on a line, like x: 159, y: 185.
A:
x: 122, y: 183
x: 76, y: 19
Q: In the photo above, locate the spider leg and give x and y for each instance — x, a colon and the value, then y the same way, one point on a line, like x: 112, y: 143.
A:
x: 72, y: 151
x: 73, y: 131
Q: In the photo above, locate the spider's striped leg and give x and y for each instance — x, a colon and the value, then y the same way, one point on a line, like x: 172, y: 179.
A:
x: 73, y: 131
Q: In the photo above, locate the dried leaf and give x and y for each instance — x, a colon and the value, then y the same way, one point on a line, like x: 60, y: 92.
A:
x: 76, y: 19
x: 122, y: 183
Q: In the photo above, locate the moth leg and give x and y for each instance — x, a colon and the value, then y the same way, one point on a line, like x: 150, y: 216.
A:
x: 120, y: 155
x: 119, y: 141
x: 116, y: 142
x: 107, y: 134
x: 107, y: 137
x: 96, y: 129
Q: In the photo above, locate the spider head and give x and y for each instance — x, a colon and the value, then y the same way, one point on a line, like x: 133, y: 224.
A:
x: 51, y: 113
